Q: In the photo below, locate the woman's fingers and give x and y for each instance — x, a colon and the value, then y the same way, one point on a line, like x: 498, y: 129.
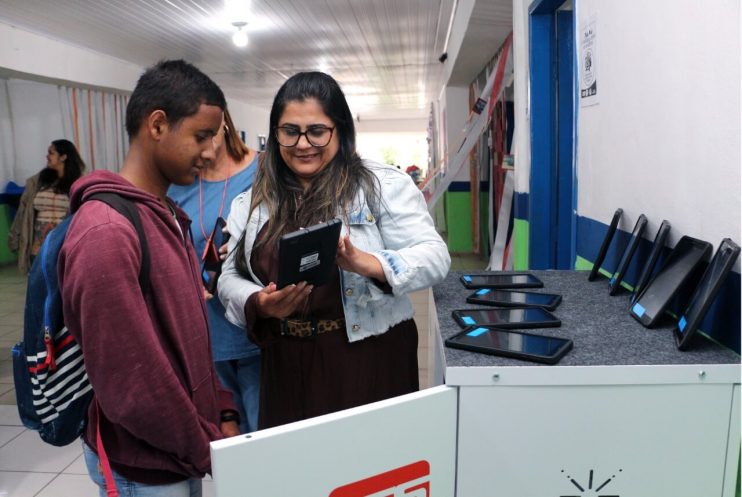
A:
x: 284, y: 302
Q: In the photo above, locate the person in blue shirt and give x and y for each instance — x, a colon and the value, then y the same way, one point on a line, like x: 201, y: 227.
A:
x: 236, y: 357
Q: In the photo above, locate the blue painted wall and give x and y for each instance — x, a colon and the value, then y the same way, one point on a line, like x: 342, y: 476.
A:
x: 722, y: 322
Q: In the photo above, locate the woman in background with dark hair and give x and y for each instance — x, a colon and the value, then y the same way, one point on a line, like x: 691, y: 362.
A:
x: 352, y: 340
x: 236, y: 358
x: 45, y: 201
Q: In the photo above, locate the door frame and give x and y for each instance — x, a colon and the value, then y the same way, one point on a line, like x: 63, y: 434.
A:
x: 553, y: 190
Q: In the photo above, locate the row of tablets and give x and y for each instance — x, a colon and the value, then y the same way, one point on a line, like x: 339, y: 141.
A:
x: 652, y: 295
x: 491, y: 331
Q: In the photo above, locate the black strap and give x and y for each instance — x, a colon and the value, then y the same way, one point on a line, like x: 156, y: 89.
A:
x: 126, y: 208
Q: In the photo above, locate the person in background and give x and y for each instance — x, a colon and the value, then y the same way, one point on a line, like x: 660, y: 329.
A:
x: 45, y: 201
x: 352, y: 340
x: 236, y: 357
x: 157, y: 400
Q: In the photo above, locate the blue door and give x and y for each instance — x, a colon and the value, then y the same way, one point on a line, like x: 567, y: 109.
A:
x: 552, y: 196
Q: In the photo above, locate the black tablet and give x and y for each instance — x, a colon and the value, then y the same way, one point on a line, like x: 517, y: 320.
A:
x: 606, y: 243
x: 501, y: 280
x: 516, y: 317
x: 308, y: 254
x: 212, y: 262
x: 504, y: 298
x: 614, y: 284
x: 705, y: 292
x: 507, y: 343
x: 680, y: 264
x: 654, y: 254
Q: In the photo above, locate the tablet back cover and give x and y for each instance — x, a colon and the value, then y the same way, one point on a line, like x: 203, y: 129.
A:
x: 308, y: 254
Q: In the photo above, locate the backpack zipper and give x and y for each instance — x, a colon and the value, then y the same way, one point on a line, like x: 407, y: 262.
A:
x: 49, y: 361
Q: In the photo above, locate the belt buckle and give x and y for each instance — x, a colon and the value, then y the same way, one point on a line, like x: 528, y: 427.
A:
x: 313, y: 324
x: 284, y: 327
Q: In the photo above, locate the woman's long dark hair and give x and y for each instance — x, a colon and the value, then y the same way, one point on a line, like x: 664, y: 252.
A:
x: 332, y: 190
x: 73, y: 169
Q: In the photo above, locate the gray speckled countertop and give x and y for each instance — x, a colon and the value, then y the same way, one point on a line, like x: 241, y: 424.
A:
x: 603, y: 332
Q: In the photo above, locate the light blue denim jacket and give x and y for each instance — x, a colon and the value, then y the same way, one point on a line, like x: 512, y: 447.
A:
x: 401, y: 236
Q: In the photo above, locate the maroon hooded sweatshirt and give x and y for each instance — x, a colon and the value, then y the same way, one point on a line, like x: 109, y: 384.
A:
x: 148, y: 359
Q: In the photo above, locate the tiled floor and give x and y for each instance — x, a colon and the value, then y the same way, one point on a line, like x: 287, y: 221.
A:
x: 28, y: 466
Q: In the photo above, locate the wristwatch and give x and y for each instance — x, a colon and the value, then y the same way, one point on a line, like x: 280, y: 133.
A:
x: 227, y: 416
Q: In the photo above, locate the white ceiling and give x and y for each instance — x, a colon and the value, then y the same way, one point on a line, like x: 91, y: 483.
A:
x: 383, y: 52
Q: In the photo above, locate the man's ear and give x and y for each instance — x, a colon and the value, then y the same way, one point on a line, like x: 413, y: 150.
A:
x: 157, y: 124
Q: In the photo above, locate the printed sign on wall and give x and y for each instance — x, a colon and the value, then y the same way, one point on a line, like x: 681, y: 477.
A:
x: 589, y: 62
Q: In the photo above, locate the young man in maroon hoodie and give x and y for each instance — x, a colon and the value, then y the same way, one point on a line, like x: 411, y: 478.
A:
x: 147, y: 354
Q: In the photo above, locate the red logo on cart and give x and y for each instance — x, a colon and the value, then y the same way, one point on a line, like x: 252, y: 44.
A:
x: 412, y: 480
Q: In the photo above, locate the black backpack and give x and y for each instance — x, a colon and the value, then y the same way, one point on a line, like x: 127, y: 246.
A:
x: 51, y: 385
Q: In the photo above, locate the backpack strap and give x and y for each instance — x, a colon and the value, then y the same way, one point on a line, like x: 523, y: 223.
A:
x: 126, y: 208
x: 105, y: 464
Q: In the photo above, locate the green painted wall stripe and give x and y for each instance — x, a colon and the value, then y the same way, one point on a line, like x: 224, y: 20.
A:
x: 520, y: 244
x: 458, y: 221
x: 5, y: 254
x: 582, y: 264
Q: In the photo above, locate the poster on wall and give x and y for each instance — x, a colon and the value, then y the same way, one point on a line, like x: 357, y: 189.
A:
x: 588, y: 63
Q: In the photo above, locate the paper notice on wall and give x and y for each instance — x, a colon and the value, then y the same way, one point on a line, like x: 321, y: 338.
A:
x: 588, y: 62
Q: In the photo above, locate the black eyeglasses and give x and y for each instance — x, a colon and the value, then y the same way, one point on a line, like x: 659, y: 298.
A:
x: 317, y: 136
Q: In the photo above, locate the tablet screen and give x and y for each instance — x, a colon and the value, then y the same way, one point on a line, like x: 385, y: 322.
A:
x: 512, y: 341
x: 515, y: 298
x: 512, y: 318
x: 706, y: 290
x: 496, y: 280
x: 687, y: 254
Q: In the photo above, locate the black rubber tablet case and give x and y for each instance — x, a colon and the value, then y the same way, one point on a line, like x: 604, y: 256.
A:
x: 707, y: 289
x: 308, y: 254
x: 606, y: 243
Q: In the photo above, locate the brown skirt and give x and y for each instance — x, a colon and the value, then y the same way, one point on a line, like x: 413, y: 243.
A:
x: 306, y: 377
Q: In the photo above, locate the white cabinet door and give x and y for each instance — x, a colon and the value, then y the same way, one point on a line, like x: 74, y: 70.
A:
x: 405, y: 446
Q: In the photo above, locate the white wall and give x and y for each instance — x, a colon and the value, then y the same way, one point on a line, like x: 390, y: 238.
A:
x: 665, y: 138
x: 45, y: 57
x: 522, y: 137
x: 456, y: 100
x: 419, y: 125
x: 251, y: 119
x: 464, y: 9
x: 31, y: 56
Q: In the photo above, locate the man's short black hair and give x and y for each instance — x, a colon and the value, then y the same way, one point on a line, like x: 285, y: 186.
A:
x: 175, y: 87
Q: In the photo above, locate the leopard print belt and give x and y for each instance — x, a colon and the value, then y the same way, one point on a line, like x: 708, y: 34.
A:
x: 300, y: 328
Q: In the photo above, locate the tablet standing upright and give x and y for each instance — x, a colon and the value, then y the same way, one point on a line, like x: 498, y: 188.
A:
x: 706, y: 291
x: 683, y: 260
x: 606, y: 243
x: 654, y: 254
x: 636, y: 235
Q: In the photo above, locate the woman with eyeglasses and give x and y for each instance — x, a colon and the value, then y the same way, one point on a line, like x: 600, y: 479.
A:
x: 363, y: 344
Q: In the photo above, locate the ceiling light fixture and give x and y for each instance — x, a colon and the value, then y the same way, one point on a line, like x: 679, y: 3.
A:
x: 240, y: 36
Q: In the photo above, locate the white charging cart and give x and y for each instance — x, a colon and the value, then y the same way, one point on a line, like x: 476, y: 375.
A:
x: 624, y: 414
